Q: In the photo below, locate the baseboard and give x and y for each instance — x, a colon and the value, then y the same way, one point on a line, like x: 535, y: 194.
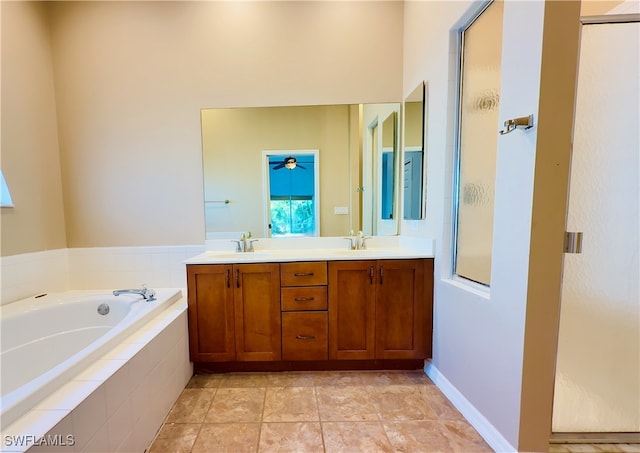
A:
x: 595, y: 438
x: 491, y: 435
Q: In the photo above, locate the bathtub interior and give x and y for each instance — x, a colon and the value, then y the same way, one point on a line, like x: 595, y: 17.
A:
x: 39, y: 333
x: 50, y: 339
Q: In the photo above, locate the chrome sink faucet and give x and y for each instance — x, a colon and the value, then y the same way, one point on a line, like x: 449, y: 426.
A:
x: 146, y: 293
x: 350, y: 238
x: 357, y: 241
x: 245, y: 243
x: 361, y: 241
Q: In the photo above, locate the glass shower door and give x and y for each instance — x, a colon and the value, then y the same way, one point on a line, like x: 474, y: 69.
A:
x: 597, y: 385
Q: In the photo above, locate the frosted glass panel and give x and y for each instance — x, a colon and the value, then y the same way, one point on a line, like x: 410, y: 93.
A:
x: 597, y: 385
x: 479, y: 102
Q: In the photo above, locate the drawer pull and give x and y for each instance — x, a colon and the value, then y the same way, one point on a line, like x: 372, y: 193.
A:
x: 305, y: 337
x: 303, y: 299
x: 303, y: 274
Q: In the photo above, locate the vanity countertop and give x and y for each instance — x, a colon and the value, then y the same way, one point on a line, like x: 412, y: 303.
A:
x: 286, y: 250
x: 274, y: 256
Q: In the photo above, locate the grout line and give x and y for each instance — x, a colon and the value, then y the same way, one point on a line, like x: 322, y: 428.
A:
x: 264, y: 404
x: 197, y: 435
x: 315, y: 392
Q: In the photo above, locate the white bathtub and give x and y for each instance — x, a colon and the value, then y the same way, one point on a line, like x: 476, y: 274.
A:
x: 49, y: 339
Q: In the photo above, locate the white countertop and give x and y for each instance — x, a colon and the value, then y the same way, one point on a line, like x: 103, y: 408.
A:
x: 314, y: 249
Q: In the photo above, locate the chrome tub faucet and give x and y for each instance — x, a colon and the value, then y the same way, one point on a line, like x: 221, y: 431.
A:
x: 146, y: 293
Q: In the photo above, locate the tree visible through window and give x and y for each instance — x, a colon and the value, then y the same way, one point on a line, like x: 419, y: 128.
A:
x: 292, y: 195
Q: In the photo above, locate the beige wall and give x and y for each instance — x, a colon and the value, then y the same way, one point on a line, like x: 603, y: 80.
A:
x: 413, y: 124
x: 598, y: 7
x: 30, y: 158
x: 233, y: 142
x: 131, y: 78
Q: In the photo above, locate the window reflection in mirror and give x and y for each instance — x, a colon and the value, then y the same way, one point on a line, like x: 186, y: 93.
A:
x: 291, y: 201
x: 414, y: 156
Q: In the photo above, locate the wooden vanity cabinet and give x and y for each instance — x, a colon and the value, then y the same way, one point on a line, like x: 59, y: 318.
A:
x: 310, y: 315
x: 352, y: 317
x: 257, y: 312
x: 380, y: 309
x: 211, y: 313
x: 404, y: 291
x: 304, y: 311
x: 234, y: 312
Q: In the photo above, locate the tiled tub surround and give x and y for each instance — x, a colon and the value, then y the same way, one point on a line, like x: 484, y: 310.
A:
x: 316, y: 411
x: 29, y: 274
x: 119, y: 402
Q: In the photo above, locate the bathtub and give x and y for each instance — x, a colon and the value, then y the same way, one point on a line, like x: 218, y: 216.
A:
x: 50, y: 338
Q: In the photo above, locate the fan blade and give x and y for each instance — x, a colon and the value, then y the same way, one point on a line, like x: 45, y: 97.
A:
x: 300, y: 166
x: 278, y: 167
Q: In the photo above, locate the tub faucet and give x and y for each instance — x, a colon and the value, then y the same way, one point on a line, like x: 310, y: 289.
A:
x: 146, y: 293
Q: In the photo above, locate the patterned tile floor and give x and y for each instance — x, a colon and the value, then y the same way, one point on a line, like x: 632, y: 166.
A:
x: 337, y: 411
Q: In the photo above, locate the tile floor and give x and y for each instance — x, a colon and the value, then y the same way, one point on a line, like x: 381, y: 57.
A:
x: 332, y: 411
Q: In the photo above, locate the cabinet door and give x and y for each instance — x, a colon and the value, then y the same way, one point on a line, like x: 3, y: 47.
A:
x: 257, y: 311
x: 352, y: 310
x: 211, y: 313
x: 401, y: 309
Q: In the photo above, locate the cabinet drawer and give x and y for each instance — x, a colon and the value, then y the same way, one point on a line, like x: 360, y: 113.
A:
x: 303, y: 274
x: 305, y: 336
x: 304, y: 298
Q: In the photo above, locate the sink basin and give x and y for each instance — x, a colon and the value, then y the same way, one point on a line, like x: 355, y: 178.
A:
x: 236, y: 256
x: 365, y: 252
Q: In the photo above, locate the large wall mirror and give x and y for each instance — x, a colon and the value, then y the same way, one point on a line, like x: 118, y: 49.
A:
x: 301, y: 170
x: 414, y: 159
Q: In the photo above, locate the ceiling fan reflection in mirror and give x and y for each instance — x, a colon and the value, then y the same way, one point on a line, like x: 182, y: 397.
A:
x: 289, y: 163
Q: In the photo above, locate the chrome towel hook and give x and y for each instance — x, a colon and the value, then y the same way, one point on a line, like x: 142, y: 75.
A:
x: 525, y: 122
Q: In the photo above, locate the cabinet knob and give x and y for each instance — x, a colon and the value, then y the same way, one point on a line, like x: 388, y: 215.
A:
x: 303, y: 299
x: 305, y: 337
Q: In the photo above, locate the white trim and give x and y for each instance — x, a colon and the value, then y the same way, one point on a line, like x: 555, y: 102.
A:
x: 610, y: 19
x: 488, y: 432
x: 468, y: 285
